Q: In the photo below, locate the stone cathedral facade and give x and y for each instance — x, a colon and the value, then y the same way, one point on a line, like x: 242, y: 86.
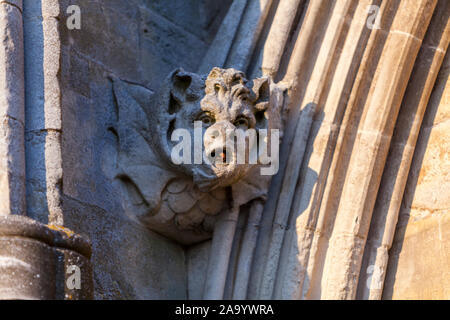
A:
x: 350, y: 199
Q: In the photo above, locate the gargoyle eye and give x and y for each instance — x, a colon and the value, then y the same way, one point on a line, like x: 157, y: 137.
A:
x: 217, y: 88
x: 241, y: 123
x: 237, y: 79
x: 207, y: 119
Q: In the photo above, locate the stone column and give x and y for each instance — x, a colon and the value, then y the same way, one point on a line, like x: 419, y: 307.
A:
x: 12, y: 104
x: 270, y: 56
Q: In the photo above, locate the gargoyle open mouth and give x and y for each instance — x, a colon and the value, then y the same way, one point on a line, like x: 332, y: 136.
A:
x: 220, y: 157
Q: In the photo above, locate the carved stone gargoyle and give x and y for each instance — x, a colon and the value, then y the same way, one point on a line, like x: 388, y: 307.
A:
x: 182, y: 201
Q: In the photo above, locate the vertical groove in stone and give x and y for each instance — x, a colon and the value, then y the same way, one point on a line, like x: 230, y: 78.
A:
x: 232, y: 272
x: 12, y: 106
x: 219, y: 258
x: 395, y: 175
x: 289, y: 275
x: 419, y: 260
x: 371, y: 147
x: 34, y: 112
x: 246, y: 253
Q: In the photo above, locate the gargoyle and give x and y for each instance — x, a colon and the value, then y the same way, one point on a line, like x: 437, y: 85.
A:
x: 182, y: 201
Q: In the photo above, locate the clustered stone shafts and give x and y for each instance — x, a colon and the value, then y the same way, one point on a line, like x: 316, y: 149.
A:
x: 329, y: 83
x: 398, y: 163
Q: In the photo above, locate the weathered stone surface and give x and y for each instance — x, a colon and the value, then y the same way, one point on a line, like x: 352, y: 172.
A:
x: 12, y: 110
x: 174, y: 199
x: 118, y: 246
x: 112, y: 41
x: 35, y: 261
x: 197, y: 263
x: 11, y: 62
x: 199, y: 17
x: 96, y: 156
x: 419, y: 262
x: 419, y: 265
x: 165, y: 46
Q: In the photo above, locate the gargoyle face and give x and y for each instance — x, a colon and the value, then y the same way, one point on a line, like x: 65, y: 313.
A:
x: 225, y: 108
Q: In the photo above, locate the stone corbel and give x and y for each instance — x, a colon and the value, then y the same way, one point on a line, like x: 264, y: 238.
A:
x: 196, y: 201
x: 183, y: 201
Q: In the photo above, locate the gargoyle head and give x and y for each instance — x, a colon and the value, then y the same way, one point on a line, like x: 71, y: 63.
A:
x: 181, y: 200
x: 225, y: 106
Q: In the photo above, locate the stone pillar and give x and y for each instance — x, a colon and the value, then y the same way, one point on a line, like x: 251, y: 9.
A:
x: 274, y: 46
x: 12, y: 150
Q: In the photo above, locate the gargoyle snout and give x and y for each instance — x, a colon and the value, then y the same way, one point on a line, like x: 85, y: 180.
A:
x: 218, y: 142
x: 220, y: 132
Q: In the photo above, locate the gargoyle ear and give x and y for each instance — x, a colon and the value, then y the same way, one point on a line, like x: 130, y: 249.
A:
x: 179, y: 92
x: 261, y: 93
x: 215, y: 73
x: 181, y: 81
